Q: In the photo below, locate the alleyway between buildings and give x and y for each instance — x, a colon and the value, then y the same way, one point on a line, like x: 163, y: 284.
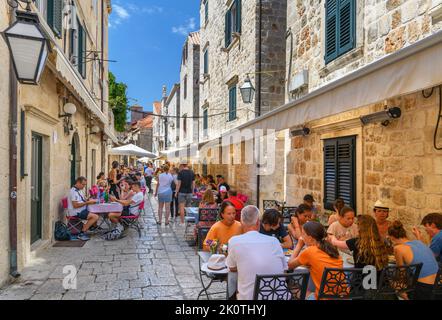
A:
x: 159, y: 265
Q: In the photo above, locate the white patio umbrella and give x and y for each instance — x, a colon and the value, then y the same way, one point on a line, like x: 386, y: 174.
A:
x: 132, y: 150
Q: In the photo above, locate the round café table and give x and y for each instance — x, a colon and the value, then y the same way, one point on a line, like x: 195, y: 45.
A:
x: 103, y: 209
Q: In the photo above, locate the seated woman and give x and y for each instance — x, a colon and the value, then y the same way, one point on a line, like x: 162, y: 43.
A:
x: 409, y: 252
x: 125, y: 189
x: 302, y: 215
x: 368, y: 248
x: 223, y: 195
x: 208, y: 201
x: 225, y: 229
x: 345, y: 228
x: 271, y: 225
x: 338, y: 205
x: 320, y: 253
x: 131, y: 205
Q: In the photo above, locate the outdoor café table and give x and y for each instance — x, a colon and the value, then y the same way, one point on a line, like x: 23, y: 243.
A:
x: 103, y: 209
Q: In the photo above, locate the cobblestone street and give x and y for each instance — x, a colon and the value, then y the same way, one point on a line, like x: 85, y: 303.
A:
x: 159, y: 265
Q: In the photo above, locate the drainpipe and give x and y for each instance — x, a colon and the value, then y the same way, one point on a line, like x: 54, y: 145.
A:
x: 13, y: 104
x: 258, y: 107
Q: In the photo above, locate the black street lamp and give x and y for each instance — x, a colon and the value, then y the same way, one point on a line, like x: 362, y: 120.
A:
x: 247, y: 91
x: 28, y: 46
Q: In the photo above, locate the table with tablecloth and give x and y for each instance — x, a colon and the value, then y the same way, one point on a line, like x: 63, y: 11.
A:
x: 103, y: 209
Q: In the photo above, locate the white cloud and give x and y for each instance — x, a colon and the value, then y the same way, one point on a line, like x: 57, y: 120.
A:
x: 126, y: 11
x: 121, y: 14
x: 185, y: 29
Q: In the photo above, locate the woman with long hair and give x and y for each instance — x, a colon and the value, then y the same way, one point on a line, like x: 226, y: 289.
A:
x: 368, y: 248
x: 114, y: 180
x: 338, y: 206
x: 318, y: 255
x: 409, y: 252
x: 302, y: 215
x: 208, y: 200
x: 164, y: 194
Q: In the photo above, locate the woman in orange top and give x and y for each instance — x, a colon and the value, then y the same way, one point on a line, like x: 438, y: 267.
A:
x: 225, y: 229
x: 320, y: 253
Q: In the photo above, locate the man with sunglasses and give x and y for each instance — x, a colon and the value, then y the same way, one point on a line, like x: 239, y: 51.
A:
x: 77, y: 207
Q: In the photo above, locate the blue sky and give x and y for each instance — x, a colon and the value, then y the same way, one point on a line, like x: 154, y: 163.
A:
x: 146, y: 38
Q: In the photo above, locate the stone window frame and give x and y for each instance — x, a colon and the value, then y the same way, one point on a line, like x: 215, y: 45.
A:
x: 206, y: 50
x: 233, y: 82
x: 356, y: 53
x: 236, y: 36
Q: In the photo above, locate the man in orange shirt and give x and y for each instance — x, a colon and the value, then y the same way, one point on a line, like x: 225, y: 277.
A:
x: 225, y: 229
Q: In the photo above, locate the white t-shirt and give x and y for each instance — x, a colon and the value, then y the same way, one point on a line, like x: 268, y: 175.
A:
x: 165, y: 181
x: 77, y: 196
x: 254, y: 253
x: 137, y: 199
x: 148, y: 172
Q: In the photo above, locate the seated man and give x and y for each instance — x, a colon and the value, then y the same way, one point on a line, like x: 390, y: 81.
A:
x: 253, y: 253
x: 141, y: 179
x: 271, y: 225
x: 239, y: 205
x: 130, y: 205
x: 77, y: 207
x: 433, y: 226
x: 226, y: 228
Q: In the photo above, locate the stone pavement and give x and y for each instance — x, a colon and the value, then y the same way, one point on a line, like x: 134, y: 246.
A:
x: 158, y: 266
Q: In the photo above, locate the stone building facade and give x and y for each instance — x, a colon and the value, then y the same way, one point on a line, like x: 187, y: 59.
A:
x: 397, y: 163
x: 172, y: 112
x: 54, y: 150
x: 189, y: 86
x: 229, y: 65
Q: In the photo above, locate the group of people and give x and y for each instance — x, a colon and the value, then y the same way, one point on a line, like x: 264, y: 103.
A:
x: 255, y: 245
x: 124, y: 185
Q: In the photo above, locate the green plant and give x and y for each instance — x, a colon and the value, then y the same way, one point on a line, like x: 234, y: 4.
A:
x: 118, y: 102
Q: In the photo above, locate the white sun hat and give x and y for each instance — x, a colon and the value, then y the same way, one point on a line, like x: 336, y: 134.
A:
x: 217, y: 262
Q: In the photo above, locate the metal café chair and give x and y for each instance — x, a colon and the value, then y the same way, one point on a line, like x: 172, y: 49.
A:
x: 437, y: 289
x: 133, y: 222
x: 342, y: 284
x: 203, y: 257
x: 396, y: 280
x: 289, y: 286
x: 270, y: 204
x: 207, y: 218
x: 287, y: 214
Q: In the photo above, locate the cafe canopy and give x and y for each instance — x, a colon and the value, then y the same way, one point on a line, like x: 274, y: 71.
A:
x: 132, y: 150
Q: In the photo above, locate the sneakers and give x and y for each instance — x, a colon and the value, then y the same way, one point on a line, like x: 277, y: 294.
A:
x: 83, y: 237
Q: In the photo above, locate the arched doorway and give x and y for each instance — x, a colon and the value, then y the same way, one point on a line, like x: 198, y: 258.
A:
x: 75, y: 158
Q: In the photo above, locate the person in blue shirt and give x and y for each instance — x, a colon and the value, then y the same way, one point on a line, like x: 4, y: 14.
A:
x: 433, y: 226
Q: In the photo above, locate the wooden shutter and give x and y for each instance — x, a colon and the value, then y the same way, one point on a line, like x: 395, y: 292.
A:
x: 232, y: 103
x: 81, y: 50
x: 206, y: 61
x: 331, y: 29
x: 238, y: 16
x: 55, y: 16
x: 339, y: 171
x: 346, y: 26
x: 205, y: 119
x: 330, y: 173
x: 228, y: 28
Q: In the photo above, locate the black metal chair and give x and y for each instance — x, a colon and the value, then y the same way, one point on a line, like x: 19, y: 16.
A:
x: 396, y: 280
x: 270, y: 204
x: 201, y: 236
x: 287, y: 214
x: 437, y: 290
x: 289, y: 286
x: 342, y: 284
x: 207, y: 218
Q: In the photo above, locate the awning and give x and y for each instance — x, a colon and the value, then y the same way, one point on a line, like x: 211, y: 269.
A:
x: 132, y: 150
x: 416, y: 67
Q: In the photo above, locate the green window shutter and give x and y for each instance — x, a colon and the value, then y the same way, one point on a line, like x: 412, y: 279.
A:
x: 330, y: 173
x: 206, y: 119
x: 81, y: 50
x: 340, y: 171
x: 238, y: 16
x: 346, y: 31
x: 331, y: 30
x: 206, y: 61
x: 228, y: 28
x: 232, y: 103
x: 206, y: 11
x: 55, y: 16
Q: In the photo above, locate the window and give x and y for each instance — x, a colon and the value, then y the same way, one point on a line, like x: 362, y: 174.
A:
x: 185, y: 87
x: 185, y: 126
x: 340, y: 30
x: 232, y: 103
x: 340, y: 171
x: 54, y: 15
x: 185, y: 52
x: 81, y: 45
x: 206, y: 61
x: 206, y: 11
x: 233, y: 21
x: 205, y: 121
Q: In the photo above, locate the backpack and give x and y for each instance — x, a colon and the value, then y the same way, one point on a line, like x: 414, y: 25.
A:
x: 61, y: 232
x: 114, y: 234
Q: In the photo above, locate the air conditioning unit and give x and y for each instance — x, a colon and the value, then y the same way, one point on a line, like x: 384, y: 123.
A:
x: 70, y: 12
x: 299, y: 81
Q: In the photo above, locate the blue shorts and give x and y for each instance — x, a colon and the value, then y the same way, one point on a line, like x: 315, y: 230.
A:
x: 165, y: 197
x: 83, y: 214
